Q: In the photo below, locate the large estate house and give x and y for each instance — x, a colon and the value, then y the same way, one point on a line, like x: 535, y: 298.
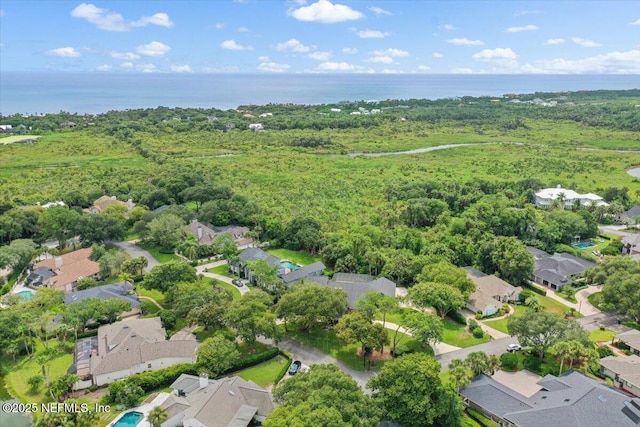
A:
x: 567, y: 199
x: 129, y: 347
x: 288, y: 272
x: 557, y: 270
x: 206, y: 234
x: 491, y: 292
x: 63, y: 272
x: 355, y: 285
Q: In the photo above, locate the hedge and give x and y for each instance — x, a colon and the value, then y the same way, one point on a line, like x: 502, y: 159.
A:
x: 254, y: 359
x: 457, y: 317
x: 87, y: 334
x: 538, y: 290
x: 480, y: 418
x: 285, y: 368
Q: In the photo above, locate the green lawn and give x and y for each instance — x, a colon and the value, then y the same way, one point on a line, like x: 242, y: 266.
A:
x: 155, y: 252
x: 265, y: 373
x: 297, y: 257
x: 151, y: 293
x: 595, y: 300
x: 602, y: 336
x: 396, y: 316
x: 18, y: 374
x: 223, y: 271
x: 458, y: 335
x: 16, y: 138
x: 550, y: 305
x: 234, y: 290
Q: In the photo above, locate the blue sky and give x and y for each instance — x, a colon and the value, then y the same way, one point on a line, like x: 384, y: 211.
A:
x: 321, y: 36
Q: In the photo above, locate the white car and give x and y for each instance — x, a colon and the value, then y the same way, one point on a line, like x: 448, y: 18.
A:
x: 514, y: 347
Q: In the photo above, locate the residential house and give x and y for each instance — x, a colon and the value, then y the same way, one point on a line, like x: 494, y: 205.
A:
x: 206, y: 234
x: 203, y: 234
x: 241, y: 268
x: 631, y: 246
x: 294, y: 276
x: 129, y: 347
x: 632, y: 339
x: 557, y: 270
x: 122, y: 290
x: 491, y: 292
x: 225, y: 402
x: 567, y: 199
x: 632, y: 216
x: 63, y: 272
x: 256, y: 127
x: 46, y: 205
x: 624, y: 371
x: 570, y: 400
x: 101, y: 204
x: 355, y: 285
x: 6, y: 129
x: 68, y: 125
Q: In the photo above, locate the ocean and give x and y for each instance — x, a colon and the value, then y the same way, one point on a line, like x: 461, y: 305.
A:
x: 92, y: 93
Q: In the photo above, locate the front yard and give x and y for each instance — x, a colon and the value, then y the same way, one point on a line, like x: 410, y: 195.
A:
x: 297, y: 257
x: 266, y: 373
x: 155, y: 251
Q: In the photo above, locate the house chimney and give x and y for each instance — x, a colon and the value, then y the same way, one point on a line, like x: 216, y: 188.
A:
x: 58, y: 261
x: 204, y: 380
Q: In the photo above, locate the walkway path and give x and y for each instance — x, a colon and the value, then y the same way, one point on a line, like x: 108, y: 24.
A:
x: 154, y: 302
x: 202, y: 269
x: 439, y: 348
x: 135, y: 251
x: 583, y: 306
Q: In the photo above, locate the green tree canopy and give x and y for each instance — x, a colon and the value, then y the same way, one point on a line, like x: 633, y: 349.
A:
x: 443, y: 298
x: 164, y: 276
x: 217, y: 354
x: 449, y: 274
x: 312, y: 306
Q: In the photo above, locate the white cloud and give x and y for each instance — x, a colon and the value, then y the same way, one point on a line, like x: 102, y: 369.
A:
x: 379, y: 11
x: 320, y: 56
x: 391, y: 71
x: 611, y: 63
x: 263, y: 58
x: 219, y: 25
x: 232, y: 45
x: 349, y: 50
x: 520, y: 29
x: 384, y: 59
x: 495, y: 54
x: 181, y: 68
x: 424, y: 67
x: 396, y: 53
x: 124, y: 55
x: 554, y: 41
x: 243, y: 30
x: 325, y: 12
x: 336, y: 66
x: 637, y: 22
x: 127, y: 65
x: 527, y: 12
x: 372, y: 34
x: 447, y: 27
x: 273, y: 67
x: 106, y: 20
x: 104, y: 67
x: 64, y: 52
x: 585, y: 43
x: 229, y: 69
x: 293, y: 45
x: 146, y: 68
x: 465, y: 42
x: 153, y: 49
x: 458, y: 70
x: 437, y: 55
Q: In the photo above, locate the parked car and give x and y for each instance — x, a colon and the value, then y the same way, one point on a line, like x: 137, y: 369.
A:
x: 514, y: 347
x: 295, y: 367
x: 237, y: 282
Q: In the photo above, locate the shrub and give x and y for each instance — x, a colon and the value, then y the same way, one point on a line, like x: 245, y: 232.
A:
x: 532, y: 363
x: 168, y: 318
x: 86, y: 334
x: 458, y: 317
x: 604, y: 351
x: 524, y: 295
x: 509, y: 361
x: 254, y: 359
x: 534, y: 288
x: 479, y: 314
x: 472, y: 324
x: 283, y: 371
x: 478, y: 332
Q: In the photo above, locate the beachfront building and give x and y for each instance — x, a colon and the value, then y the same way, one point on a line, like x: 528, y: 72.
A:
x: 567, y: 199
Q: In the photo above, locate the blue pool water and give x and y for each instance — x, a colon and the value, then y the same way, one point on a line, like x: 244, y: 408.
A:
x: 583, y: 245
x: 130, y: 419
x: 26, y: 295
x: 289, y: 265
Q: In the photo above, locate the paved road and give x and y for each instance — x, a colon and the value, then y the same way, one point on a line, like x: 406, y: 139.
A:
x: 609, y: 320
x: 496, y: 347
x: 616, y: 230
x: 135, y: 251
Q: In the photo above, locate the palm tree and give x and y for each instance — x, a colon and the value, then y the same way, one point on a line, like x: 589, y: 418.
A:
x: 157, y: 416
x: 460, y: 374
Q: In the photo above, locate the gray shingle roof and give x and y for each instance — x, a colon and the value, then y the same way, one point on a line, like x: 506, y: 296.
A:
x: 255, y: 254
x: 537, y: 253
x: 302, y: 272
x: 356, y: 284
x: 571, y: 400
x: 114, y: 290
x: 631, y: 338
x: 559, y: 267
x: 633, y: 212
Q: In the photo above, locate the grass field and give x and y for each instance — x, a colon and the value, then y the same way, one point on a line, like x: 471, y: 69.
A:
x: 155, y: 252
x: 458, y: 335
x: 550, y: 305
x: 264, y: 374
x: 235, y: 293
x: 297, y: 257
x: 151, y: 293
x: 602, y: 336
x: 223, y: 271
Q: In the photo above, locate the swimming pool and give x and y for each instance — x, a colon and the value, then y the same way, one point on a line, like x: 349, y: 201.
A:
x: 583, y: 245
x: 289, y: 265
x: 129, y: 419
x: 26, y: 295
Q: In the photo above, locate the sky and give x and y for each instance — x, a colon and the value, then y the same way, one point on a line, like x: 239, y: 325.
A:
x: 321, y: 36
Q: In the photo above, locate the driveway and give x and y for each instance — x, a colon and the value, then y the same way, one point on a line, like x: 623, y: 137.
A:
x: 311, y: 356
x: 616, y: 230
x: 583, y: 306
x: 135, y: 251
x: 496, y: 347
x: 202, y: 269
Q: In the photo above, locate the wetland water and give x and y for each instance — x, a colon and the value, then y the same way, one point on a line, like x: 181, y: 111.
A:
x: 635, y: 172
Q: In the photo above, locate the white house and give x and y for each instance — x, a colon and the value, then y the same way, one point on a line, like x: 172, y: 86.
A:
x: 129, y: 347
x: 624, y: 371
x: 256, y: 127
x: 569, y: 198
